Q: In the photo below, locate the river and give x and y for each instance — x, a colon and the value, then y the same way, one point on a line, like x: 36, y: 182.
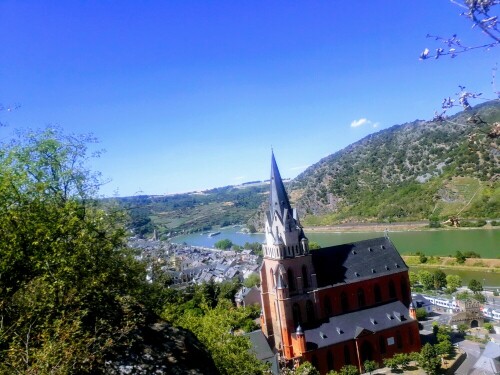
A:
x: 485, y: 242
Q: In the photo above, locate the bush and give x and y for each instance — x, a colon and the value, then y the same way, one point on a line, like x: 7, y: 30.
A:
x: 421, y: 313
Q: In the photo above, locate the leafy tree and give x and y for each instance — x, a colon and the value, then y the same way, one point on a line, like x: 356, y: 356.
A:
x: 463, y: 295
x: 252, y: 280
x: 475, y: 286
x: 421, y: 313
x: 68, y: 282
x: 306, y: 368
x: 214, y: 328
x: 370, y: 366
x: 439, y: 279
x: 453, y: 282
x: 413, y: 278
x: 460, y: 257
x: 402, y: 359
x: 444, y: 348
x: 429, y: 360
x: 224, y: 244
x: 426, y: 279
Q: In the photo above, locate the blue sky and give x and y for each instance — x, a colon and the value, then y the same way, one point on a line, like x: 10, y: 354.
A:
x: 188, y: 95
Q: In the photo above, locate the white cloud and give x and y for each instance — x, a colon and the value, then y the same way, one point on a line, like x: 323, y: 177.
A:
x: 360, y: 122
x: 364, y: 121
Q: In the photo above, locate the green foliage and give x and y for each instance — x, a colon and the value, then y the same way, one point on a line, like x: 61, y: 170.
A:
x: 479, y: 297
x: 391, y: 363
x: 462, y: 296
x: 488, y: 327
x: 475, y: 286
x: 224, y: 244
x: 462, y: 328
x: 439, y: 279
x: 426, y: 279
x: 346, y: 370
x: 215, y: 328
x: 381, y: 178
x: 256, y: 247
x: 429, y: 360
x: 193, y: 212
x: 208, y: 312
x: 413, y: 278
x: 68, y: 283
x: 370, y: 366
x: 422, y: 258
x: 421, y: 313
x: 444, y: 348
x: 252, y: 280
x: 314, y: 245
x: 459, y: 257
x: 453, y: 282
x: 306, y: 368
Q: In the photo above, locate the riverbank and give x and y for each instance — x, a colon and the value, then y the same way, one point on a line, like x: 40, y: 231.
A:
x: 391, y: 227
x: 450, y: 263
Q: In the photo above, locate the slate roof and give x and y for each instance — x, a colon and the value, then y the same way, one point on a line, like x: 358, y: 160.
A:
x: 278, y: 199
x: 355, y: 261
x: 341, y: 328
x: 262, y: 350
x: 488, y: 362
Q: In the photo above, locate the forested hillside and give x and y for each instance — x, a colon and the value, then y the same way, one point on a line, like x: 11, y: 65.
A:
x: 199, y: 211
x: 412, y: 171
x: 407, y: 172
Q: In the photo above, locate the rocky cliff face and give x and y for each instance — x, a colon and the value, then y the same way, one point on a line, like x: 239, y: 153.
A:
x: 159, y: 348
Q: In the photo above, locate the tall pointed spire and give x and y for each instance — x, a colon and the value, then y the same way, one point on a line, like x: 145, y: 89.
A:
x: 278, y: 199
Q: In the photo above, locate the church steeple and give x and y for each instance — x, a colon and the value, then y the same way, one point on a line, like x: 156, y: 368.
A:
x: 284, y: 235
x: 278, y: 199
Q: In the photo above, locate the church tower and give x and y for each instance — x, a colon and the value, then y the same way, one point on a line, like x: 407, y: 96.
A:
x: 287, y: 272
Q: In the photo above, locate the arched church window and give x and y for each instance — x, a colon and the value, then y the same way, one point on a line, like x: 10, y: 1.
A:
x: 329, y: 361
x: 399, y: 340
x: 305, y: 276
x: 378, y: 293
x: 291, y: 280
x: 328, y: 306
x: 297, y: 319
x: 347, y: 355
x: 310, y: 312
x: 381, y: 343
x: 271, y: 275
x: 344, y: 302
x: 404, y: 290
x: 361, y: 298
x: 314, y: 361
x: 392, y: 289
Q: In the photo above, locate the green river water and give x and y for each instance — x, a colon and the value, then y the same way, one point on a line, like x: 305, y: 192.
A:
x: 485, y: 242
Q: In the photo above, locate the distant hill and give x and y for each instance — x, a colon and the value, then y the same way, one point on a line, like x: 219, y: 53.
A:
x: 195, y: 211
x: 411, y: 171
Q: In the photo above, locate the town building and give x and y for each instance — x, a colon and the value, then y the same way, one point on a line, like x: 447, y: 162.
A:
x: 334, y: 306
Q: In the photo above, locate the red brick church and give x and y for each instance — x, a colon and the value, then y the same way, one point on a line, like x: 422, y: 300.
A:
x: 334, y: 306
